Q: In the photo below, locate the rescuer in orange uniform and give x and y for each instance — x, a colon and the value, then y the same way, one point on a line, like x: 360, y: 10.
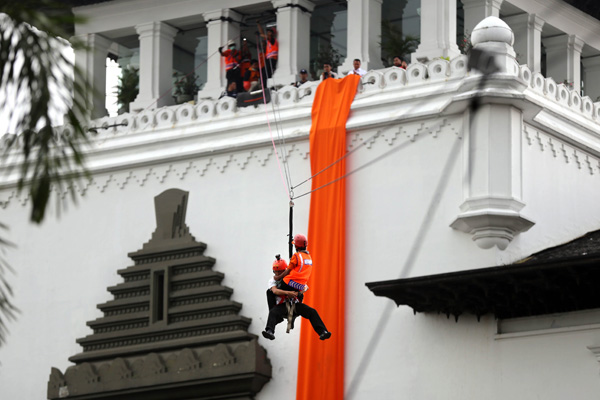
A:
x: 276, y: 299
x: 232, y: 64
x: 297, y: 273
x: 272, y: 49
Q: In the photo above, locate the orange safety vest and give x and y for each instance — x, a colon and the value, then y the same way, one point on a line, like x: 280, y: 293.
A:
x: 301, y: 268
x: 254, y: 76
x: 231, y: 59
x: 272, y: 49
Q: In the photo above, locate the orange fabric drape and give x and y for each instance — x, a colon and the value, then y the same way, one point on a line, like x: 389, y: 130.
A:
x: 321, y: 363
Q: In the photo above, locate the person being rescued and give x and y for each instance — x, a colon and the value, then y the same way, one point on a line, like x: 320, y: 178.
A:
x: 278, y: 309
x: 252, y: 76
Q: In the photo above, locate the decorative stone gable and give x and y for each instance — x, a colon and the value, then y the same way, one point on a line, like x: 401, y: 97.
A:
x: 171, y: 331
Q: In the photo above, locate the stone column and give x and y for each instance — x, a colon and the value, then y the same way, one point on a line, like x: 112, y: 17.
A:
x: 221, y: 27
x: 563, y: 59
x: 492, y: 165
x: 156, y: 65
x: 592, y: 77
x: 477, y: 10
x: 364, y: 35
x: 92, y: 63
x: 528, y: 39
x: 293, y: 35
x: 438, y: 31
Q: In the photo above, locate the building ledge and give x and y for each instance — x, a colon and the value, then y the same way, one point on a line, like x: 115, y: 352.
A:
x: 385, y: 97
x: 557, y: 280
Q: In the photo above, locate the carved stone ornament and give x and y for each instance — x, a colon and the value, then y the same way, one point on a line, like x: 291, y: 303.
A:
x: 492, y: 221
x: 171, y: 331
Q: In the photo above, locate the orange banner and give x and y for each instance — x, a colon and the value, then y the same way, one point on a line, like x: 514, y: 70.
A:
x: 321, y: 363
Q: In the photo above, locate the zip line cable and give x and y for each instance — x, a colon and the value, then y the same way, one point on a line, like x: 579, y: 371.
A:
x: 279, y: 130
x: 281, y: 137
x: 368, y: 164
x: 338, y: 160
x: 286, y: 188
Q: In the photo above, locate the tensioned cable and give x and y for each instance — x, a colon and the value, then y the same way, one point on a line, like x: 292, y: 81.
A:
x: 285, y: 186
x: 278, y: 128
x: 338, y: 160
x: 369, y: 163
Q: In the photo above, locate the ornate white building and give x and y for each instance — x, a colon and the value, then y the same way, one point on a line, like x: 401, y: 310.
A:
x: 438, y: 186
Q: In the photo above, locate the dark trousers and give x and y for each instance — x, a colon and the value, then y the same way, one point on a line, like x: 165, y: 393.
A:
x: 234, y: 75
x: 280, y: 312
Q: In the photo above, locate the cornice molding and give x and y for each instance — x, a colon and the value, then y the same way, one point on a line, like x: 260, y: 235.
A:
x: 561, y: 150
x: 193, y: 139
x: 237, y: 161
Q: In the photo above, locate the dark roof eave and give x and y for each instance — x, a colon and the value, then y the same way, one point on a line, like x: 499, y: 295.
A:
x: 505, y: 291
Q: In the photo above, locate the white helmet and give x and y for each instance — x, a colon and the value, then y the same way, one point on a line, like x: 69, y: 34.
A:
x: 230, y: 43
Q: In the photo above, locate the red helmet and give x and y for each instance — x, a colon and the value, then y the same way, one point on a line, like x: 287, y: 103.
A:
x: 300, y: 241
x: 279, y: 265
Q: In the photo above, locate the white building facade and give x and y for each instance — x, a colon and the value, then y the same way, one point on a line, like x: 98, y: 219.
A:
x: 437, y: 186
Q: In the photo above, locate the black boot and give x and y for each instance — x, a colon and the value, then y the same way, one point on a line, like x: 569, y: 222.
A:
x: 268, y: 334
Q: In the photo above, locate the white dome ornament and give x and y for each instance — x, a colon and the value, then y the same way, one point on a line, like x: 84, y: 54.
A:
x: 494, y: 37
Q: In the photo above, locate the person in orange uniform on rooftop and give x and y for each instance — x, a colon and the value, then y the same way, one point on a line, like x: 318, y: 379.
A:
x: 232, y: 64
x: 272, y: 49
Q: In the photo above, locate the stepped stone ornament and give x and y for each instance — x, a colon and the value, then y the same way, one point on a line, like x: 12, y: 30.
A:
x: 171, y: 331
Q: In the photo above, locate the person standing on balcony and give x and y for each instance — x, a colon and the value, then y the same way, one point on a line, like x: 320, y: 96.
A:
x: 303, y: 78
x: 327, y: 72
x: 398, y: 62
x: 357, y: 69
x: 232, y: 64
x: 272, y: 48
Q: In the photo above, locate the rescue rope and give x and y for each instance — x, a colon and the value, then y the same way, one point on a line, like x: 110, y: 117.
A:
x: 285, y: 186
x: 278, y: 129
x: 287, y: 181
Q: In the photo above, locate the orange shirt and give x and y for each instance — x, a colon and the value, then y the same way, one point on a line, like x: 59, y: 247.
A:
x: 301, y: 268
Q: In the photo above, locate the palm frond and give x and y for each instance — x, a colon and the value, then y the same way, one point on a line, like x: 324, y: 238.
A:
x: 42, y: 82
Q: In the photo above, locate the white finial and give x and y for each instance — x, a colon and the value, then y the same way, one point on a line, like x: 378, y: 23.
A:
x: 492, y: 29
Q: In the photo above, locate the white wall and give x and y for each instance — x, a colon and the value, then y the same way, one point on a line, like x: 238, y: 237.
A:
x: 238, y: 207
